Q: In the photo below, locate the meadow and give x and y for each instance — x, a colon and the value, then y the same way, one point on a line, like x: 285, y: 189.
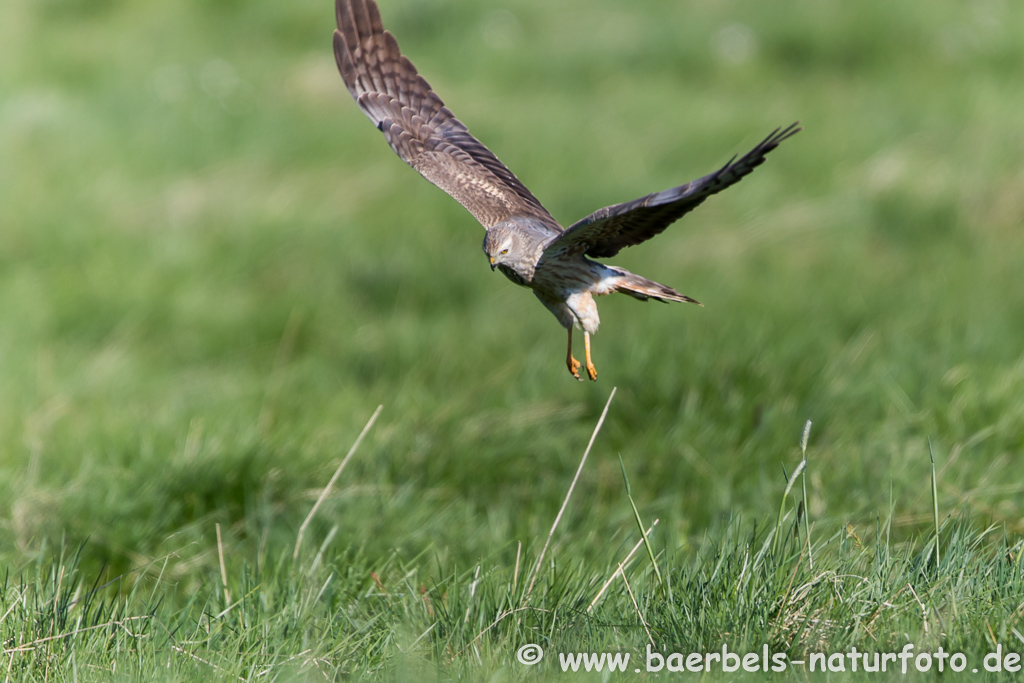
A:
x: 213, y: 271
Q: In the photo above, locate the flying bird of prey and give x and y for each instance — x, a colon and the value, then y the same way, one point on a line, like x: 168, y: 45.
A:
x: 523, y: 240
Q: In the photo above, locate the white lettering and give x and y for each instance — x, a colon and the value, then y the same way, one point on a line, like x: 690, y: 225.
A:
x: 654, y: 656
x: 996, y: 657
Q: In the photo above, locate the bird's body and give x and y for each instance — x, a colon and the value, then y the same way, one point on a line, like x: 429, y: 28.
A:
x: 565, y: 281
x: 523, y: 240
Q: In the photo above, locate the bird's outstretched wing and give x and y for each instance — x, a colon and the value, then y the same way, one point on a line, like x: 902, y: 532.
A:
x: 417, y: 125
x: 609, y: 230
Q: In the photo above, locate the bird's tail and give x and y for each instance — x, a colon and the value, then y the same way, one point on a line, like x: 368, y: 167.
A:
x: 643, y: 289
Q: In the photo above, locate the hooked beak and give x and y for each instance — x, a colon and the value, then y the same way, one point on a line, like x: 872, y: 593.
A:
x: 491, y: 259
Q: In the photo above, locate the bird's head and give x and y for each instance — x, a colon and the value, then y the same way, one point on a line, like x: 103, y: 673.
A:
x: 501, y: 245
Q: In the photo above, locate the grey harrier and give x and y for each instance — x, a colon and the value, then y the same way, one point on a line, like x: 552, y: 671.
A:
x: 523, y: 241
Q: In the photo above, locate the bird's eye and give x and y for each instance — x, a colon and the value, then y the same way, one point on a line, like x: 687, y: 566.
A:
x: 504, y: 251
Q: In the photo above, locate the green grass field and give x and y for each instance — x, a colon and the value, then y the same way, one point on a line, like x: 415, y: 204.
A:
x: 213, y: 270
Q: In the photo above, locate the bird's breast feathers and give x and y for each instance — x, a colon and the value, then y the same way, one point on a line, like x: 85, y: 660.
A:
x: 561, y: 276
x: 514, y: 276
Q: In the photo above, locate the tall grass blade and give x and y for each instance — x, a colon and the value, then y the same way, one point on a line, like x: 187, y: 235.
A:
x: 640, y: 524
x: 565, y: 503
x: 782, y: 505
x: 330, y: 484
x: 807, y: 508
x: 935, y: 502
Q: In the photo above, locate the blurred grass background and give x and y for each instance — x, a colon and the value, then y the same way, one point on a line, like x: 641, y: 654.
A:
x: 213, y: 269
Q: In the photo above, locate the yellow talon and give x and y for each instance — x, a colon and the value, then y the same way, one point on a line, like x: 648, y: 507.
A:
x: 570, y: 362
x: 591, y: 370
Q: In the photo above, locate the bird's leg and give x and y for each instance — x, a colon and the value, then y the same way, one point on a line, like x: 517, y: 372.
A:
x: 591, y: 370
x: 572, y: 363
